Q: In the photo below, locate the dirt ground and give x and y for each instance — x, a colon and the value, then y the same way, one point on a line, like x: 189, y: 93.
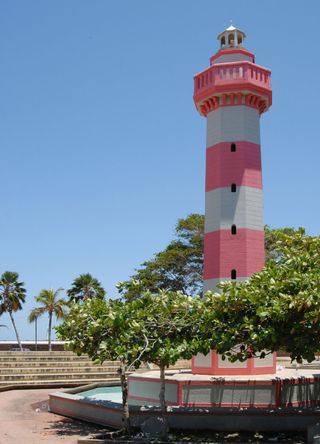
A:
x: 24, y: 418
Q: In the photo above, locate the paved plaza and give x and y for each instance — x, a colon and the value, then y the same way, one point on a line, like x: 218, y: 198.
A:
x: 24, y: 417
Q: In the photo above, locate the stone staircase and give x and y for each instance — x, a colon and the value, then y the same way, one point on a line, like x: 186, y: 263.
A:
x: 56, y: 369
x: 48, y: 369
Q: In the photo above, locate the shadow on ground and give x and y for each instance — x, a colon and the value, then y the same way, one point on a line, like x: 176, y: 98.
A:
x: 67, y: 426
x: 73, y: 427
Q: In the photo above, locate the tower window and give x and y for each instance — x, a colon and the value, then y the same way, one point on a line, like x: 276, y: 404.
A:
x: 233, y: 229
x: 233, y: 274
x: 233, y: 188
x: 233, y: 148
x: 231, y: 39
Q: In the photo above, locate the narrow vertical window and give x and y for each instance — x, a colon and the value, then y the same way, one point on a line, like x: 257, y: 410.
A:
x: 233, y: 274
x: 233, y: 147
x: 233, y: 229
x: 233, y: 188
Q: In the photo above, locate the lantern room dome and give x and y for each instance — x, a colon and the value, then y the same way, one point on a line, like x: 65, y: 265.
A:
x: 231, y: 37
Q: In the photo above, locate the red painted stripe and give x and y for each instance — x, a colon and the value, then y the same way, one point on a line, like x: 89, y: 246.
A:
x: 206, y: 93
x: 206, y: 106
x: 303, y: 381
x: 223, y: 252
x: 278, y: 389
x: 180, y: 383
x: 223, y: 382
x: 242, y: 167
x: 239, y: 404
x: 232, y: 371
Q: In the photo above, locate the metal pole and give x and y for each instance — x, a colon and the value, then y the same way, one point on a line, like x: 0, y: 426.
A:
x: 36, y: 333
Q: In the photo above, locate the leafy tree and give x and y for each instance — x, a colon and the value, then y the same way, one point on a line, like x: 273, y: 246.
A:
x: 156, y: 328
x: 51, y: 305
x: 276, y: 309
x: 272, y: 238
x: 106, y: 330
x: 167, y: 321
x: 12, y: 296
x: 179, y: 267
x: 85, y: 287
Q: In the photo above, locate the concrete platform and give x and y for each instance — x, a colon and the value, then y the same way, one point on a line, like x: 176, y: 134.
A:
x: 288, y: 387
x: 237, y: 418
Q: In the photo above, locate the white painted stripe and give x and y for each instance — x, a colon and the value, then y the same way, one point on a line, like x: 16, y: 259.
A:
x: 211, y: 284
x: 201, y: 360
x: 233, y: 123
x: 227, y: 364
x: 143, y: 388
x: 268, y: 361
x: 244, y: 208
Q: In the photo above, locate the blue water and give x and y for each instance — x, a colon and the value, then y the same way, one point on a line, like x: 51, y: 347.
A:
x: 113, y: 394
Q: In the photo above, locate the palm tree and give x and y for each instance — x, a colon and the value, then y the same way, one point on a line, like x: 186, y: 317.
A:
x: 51, y: 305
x: 12, y: 296
x: 86, y: 287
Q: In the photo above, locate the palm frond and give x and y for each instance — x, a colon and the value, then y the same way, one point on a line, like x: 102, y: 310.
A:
x: 36, y: 313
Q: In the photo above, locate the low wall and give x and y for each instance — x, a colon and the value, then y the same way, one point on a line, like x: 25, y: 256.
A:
x: 189, y: 418
x: 31, y: 345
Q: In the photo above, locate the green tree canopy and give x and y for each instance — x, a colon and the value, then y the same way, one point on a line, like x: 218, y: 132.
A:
x: 156, y: 328
x: 105, y: 330
x: 168, y: 322
x: 276, y: 309
x: 12, y: 296
x: 85, y: 287
x: 51, y: 304
x: 274, y: 240
x: 179, y: 267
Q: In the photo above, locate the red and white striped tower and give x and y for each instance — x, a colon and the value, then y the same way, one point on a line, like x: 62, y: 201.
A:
x: 232, y: 94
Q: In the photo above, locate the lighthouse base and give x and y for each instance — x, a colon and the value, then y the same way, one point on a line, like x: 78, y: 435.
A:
x: 287, y: 387
x: 213, y: 364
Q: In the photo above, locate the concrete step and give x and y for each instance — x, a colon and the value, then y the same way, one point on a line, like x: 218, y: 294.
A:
x: 53, y: 376
x: 26, y: 357
x: 43, y: 359
x: 59, y: 369
x: 53, y: 364
x: 39, y: 353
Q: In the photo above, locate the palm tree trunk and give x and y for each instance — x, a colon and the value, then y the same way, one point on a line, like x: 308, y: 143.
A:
x: 15, y: 329
x: 49, y: 331
x: 162, y: 399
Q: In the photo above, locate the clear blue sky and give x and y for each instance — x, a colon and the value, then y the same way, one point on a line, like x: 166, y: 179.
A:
x: 101, y: 146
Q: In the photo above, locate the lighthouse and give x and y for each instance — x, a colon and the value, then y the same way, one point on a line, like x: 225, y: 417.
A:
x: 232, y: 94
